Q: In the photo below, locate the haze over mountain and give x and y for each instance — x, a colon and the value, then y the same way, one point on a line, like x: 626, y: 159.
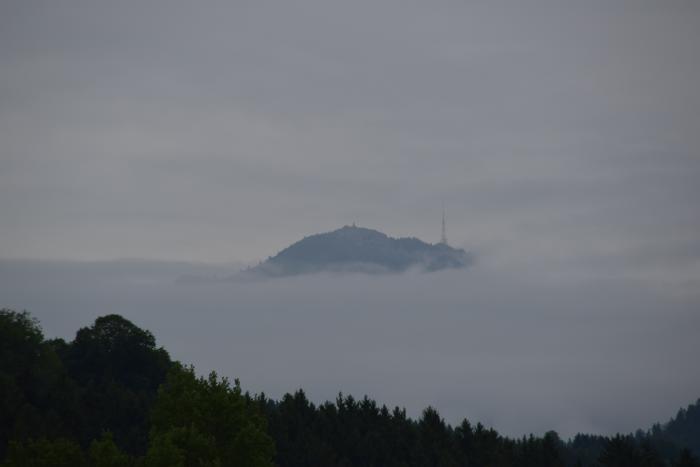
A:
x: 359, y: 249
x: 200, y: 139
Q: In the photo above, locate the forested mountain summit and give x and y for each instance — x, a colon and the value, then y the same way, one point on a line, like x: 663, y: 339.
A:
x: 359, y: 249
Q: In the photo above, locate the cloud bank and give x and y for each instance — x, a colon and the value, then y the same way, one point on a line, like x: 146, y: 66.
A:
x: 508, y: 348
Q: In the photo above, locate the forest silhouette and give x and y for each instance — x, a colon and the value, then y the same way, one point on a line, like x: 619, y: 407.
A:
x: 112, y: 397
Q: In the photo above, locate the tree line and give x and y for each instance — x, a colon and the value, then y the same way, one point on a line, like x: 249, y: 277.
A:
x: 111, y: 397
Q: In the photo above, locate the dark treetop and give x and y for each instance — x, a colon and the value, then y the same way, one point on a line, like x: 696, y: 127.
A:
x: 112, y: 398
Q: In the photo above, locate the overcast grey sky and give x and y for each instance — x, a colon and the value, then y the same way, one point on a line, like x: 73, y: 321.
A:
x: 219, y: 131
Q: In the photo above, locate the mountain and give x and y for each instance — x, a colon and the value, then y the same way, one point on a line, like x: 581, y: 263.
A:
x: 358, y: 249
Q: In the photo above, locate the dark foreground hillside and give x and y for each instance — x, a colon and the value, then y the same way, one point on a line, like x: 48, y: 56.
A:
x: 111, y: 397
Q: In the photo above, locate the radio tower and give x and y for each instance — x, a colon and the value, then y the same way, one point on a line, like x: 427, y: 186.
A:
x: 443, y: 239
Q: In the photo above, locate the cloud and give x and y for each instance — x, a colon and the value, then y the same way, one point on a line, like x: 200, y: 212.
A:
x: 223, y: 132
x: 521, y: 351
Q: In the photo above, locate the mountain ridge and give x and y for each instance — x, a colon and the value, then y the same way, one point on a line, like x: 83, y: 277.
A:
x: 360, y: 249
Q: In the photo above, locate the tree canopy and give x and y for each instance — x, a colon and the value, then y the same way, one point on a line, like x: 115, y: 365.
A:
x: 111, y: 397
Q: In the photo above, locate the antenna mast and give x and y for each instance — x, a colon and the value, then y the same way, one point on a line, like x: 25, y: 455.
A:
x: 443, y: 240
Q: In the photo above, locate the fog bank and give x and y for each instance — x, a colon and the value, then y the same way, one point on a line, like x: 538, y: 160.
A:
x: 519, y: 350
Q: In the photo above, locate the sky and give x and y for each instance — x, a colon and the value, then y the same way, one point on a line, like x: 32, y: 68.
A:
x: 562, y: 138
x: 222, y: 131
